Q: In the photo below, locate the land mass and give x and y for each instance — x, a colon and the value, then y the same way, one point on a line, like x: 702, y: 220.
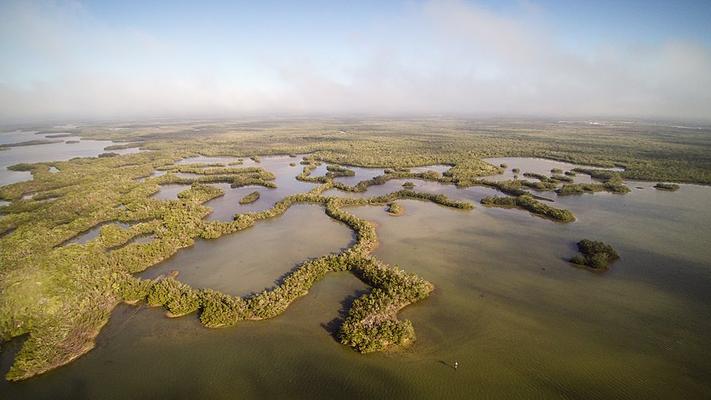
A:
x: 60, y: 295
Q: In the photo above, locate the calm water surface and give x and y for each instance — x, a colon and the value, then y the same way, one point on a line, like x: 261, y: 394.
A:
x: 93, y: 233
x: 252, y: 260
x: 538, y: 166
x: 59, y: 151
x: 519, y: 319
x: 225, y: 207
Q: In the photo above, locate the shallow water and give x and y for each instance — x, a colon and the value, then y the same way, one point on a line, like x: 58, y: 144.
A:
x: 396, y: 185
x: 361, y: 174
x: 437, y: 168
x: 93, y: 233
x: 213, y: 160
x: 187, y: 175
x: 60, y: 151
x: 318, y: 171
x: 534, y: 165
x: 170, y: 191
x: 253, y: 260
x: 225, y: 207
x: 140, y: 239
x: 520, y: 320
x: 518, y: 313
x: 18, y: 136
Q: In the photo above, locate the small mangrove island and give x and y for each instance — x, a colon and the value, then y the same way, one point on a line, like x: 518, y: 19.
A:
x: 395, y: 209
x: 595, y: 255
x: 250, y: 198
x: 116, y: 192
x: 527, y: 202
x: 670, y: 187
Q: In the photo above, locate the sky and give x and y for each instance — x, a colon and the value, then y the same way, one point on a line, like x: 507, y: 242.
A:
x: 63, y: 60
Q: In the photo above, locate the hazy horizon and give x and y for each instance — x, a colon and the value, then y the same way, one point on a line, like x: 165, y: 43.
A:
x: 86, y: 60
x: 150, y: 120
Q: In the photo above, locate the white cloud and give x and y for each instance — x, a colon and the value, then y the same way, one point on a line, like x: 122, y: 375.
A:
x: 438, y: 57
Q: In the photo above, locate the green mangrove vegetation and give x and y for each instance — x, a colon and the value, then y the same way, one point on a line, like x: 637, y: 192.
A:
x: 335, y: 171
x: 594, y: 255
x: 371, y: 324
x: 526, y: 202
x: 671, y: 187
x: 250, y: 198
x: 561, y: 178
x: 395, y: 209
x: 534, y: 175
x: 33, y: 142
x: 538, y: 185
x: 61, y: 295
x: 601, y: 174
x: 124, y: 146
x: 580, y: 188
x: 94, y: 190
x: 611, y: 182
x: 645, y: 151
x: 209, y: 173
x: 179, y: 298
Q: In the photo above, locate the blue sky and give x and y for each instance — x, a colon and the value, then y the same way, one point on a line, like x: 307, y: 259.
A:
x: 122, y: 59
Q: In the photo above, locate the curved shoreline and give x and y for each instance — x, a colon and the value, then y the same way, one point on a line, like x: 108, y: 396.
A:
x: 90, y: 191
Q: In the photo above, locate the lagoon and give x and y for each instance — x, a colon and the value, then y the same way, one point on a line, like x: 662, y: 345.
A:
x: 507, y: 306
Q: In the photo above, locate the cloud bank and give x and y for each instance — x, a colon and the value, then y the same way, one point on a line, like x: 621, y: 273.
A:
x: 438, y: 57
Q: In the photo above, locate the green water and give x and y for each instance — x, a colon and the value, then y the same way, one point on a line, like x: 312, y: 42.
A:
x: 520, y: 321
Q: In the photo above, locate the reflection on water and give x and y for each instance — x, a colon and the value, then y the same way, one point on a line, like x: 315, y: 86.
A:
x: 520, y: 321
